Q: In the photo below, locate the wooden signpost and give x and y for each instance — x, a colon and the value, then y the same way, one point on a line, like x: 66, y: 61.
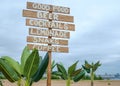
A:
x: 43, y: 16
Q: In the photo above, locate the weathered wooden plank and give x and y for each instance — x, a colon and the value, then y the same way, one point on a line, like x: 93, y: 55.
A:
x: 46, y: 40
x: 46, y: 15
x: 49, y: 24
x: 52, y: 33
x: 46, y: 7
x: 49, y: 48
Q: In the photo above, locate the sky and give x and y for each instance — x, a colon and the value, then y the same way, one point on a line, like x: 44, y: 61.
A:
x: 96, y: 36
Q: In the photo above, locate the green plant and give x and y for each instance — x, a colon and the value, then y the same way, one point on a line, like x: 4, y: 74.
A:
x: 1, y: 83
x: 31, y: 69
x: 91, y: 68
x: 87, y: 77
x: 97, y: 77
x: 54, y: 74
x: 72, y: 73
x: 1, y: 77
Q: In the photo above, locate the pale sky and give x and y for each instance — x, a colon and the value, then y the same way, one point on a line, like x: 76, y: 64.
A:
x: 96, y: 36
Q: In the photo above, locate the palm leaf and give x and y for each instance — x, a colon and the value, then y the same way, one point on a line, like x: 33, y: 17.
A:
x: 62, y: 70
x: 53, y: 64
x: 72, y: 68
x: 86, y: 69
x: 25, y: 55
x: 13, y: 64
x: 31, y: 64
x: 79, y: 76
x: 8, y: 71
x: 42, y: 68
x: 96, y: 65
x: 87, y: 65
x: 76, y: 72
x: 57, y: 73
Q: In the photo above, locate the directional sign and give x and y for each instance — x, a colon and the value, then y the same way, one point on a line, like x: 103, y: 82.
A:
x: 48, y: 48
x: 45, y: 7
x: 46, y: 15
x: 48, y: 24
x: 47, y: 40
x: 53, y: 24
x: 52, y: 33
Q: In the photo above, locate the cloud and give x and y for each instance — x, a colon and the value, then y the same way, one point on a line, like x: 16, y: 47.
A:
x: 110, y: 59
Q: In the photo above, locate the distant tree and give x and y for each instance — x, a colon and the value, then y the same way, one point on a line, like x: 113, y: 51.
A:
x: 87, y: 77
x: 97, y: 77
x: 117, y: 75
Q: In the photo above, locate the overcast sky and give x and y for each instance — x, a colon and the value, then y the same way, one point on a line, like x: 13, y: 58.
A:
x: 96, y: 36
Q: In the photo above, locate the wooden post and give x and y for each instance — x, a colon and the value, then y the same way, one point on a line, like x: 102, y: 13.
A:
x: 49, y: 69
x: 50, y: 60
x: 31, y: 13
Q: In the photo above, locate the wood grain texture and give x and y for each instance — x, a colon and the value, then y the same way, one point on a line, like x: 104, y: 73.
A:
x: 48, y: 7
x: 45, y: 15
x: 48, y: 24
x: 42, y: 40
x: 49, y: 48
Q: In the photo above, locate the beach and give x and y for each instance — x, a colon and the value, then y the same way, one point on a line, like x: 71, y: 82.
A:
x: 63, y: 83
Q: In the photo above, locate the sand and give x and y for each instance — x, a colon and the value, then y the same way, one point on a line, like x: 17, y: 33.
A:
x: 63, y: 83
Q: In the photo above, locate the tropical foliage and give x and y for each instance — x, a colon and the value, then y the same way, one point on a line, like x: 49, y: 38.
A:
x: 91, y: 68
x: 87, y: 77
x: 31, y: 68
x: 71, y: 74
x: 54, y: 74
